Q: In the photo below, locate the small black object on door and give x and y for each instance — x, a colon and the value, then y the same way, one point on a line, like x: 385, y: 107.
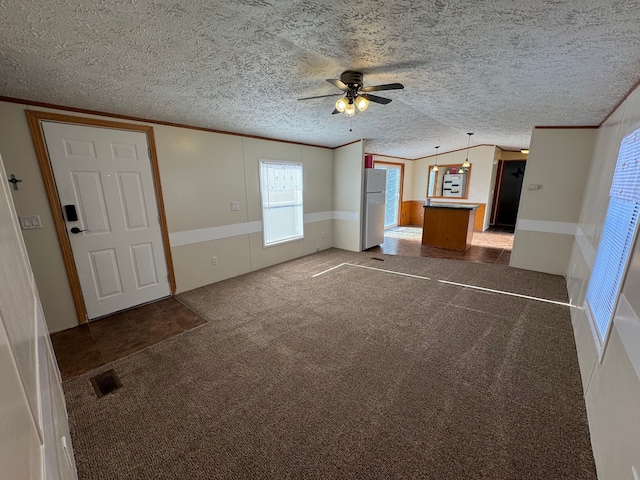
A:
x: 70, y: 212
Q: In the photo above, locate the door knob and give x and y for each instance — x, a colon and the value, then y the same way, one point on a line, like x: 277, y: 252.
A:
x: 77, y: 230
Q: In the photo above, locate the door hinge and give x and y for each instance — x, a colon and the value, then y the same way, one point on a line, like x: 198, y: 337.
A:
x: 149, y: 152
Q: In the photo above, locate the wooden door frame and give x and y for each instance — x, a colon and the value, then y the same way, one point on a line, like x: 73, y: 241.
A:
x: 401, y: 165
x: 498, y: 187
x: 34, y: 118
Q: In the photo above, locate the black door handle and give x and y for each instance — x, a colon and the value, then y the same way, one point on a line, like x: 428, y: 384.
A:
x: 77, y: 230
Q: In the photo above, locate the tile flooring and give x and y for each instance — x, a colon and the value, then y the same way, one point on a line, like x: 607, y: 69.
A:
x: 491, y: 246
x: 95, y: 343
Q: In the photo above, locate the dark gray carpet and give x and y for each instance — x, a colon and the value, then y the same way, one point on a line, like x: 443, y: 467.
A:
x: 353, y: 374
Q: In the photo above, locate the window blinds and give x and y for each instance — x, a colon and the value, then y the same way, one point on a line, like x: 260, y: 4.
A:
x: 282, y: 210
x: 617, y: 235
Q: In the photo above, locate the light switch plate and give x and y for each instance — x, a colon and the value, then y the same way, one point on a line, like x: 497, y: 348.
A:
x: 29, y: 222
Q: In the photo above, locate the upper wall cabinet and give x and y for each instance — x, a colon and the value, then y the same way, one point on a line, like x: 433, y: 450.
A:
x: 448, y: 181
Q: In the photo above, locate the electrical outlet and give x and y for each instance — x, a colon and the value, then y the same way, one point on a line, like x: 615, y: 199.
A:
x: 214, y: 260
x: 235, y: 206
x: 321, y: 234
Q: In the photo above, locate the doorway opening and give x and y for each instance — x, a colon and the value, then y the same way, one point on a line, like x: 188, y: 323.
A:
x: 506, y: 199
x: 393, y: 192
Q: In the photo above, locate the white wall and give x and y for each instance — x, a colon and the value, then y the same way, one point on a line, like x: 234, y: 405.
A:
x: 482, y: 159
x: 33, y: 420
x: 611, y: 387
x: 201, y: 173
x: 348, y: 175
x: 18, y: 153
x: 558, y: 163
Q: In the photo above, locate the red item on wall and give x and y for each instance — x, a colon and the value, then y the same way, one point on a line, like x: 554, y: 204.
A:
x: 368, y: 161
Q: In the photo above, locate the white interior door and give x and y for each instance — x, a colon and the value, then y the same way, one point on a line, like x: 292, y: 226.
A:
x: 104, y: 175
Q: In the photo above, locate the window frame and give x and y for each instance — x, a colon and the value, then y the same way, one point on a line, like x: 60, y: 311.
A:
x: 601, y: 343
x: 281, y: 241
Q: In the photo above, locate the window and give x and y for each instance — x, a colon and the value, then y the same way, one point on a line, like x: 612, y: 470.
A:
x: 281, y: 190
x: 617, y: 238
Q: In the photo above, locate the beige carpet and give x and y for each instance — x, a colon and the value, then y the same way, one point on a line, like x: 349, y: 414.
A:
x: 356, y: 373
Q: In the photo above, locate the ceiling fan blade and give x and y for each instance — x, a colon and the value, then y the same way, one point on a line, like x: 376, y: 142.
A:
x: 388, y: 86
x: 335, y: 110
x: 338, y: 83
x: 321, y: 96
x: 376, y: 99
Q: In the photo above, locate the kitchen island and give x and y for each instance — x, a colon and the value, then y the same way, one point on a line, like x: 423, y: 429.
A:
x: 448, y: 225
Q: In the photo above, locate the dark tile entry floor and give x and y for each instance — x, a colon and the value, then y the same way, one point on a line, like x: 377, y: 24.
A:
x: 95, y: 343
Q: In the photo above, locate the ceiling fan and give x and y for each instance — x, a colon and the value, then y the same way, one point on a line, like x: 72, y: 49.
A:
x: 355, y: 94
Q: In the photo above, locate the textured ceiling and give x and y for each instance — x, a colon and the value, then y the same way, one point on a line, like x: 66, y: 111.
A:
x: 493, y: 67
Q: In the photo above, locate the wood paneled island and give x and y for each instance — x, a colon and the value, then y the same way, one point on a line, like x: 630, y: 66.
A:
x: 448, y: 225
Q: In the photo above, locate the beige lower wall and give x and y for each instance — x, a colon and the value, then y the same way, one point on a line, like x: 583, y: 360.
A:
x: 613, y: 408
x: 235, y: 255
x: 192, y: 269
x: 345, y: 233
x: 541, y: 251
x: 318, y: 236
x: 262, y: 257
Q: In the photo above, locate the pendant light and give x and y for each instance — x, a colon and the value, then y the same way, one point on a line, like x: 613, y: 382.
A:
x: 435, y: 167
x: 466, y: 163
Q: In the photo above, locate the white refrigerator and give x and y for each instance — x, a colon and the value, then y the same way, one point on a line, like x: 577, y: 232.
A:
x: 375, y: 182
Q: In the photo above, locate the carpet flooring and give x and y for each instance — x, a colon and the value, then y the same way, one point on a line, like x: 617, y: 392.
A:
x: 355, y: 373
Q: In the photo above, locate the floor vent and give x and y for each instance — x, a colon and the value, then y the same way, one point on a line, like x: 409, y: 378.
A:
x: 105, y: 383
x: 379, y: 259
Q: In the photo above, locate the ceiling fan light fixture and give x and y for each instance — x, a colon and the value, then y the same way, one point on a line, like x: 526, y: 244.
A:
x: 350, y: 111
x: 362, y: 103
x: 341, y: 104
